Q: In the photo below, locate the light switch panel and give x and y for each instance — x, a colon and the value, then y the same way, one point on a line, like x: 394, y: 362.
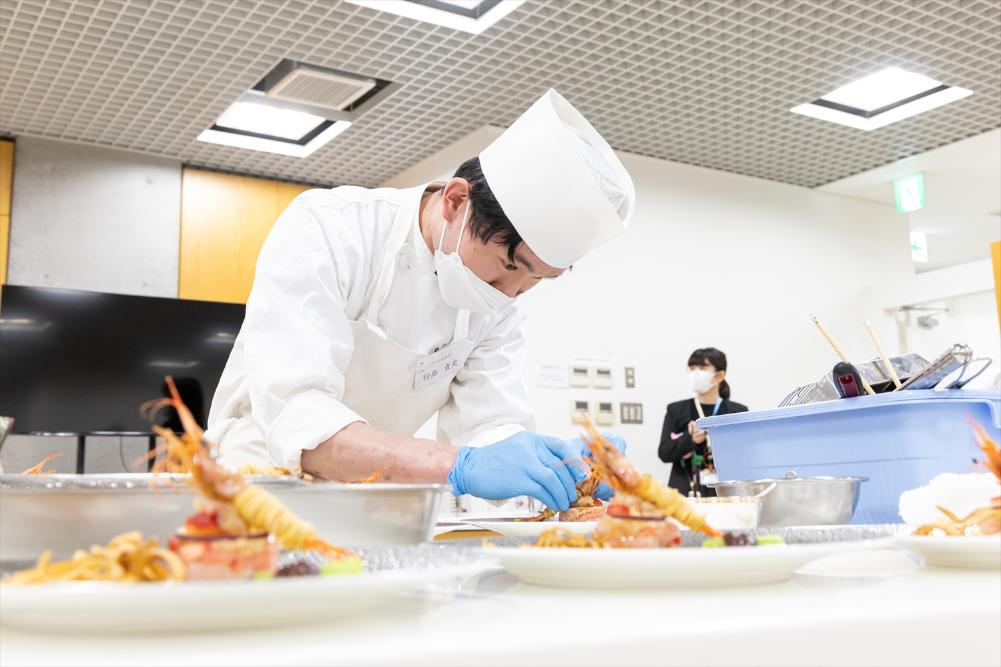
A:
x: 631, y: 413
x: 630, y: 377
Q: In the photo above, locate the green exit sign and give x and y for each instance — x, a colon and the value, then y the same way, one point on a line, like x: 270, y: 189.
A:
x: 909, y: 192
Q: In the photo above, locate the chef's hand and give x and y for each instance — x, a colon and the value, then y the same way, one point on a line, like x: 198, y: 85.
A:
x: 525, y: 464
x: 603, y: 492
x: 698, y: 435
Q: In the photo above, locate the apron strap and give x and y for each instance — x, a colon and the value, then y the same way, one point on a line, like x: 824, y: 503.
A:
x: 387, y: 270
x: 402, y: 226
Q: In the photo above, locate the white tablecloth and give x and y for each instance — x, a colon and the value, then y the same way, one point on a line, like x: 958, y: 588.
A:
x: 926, y: 617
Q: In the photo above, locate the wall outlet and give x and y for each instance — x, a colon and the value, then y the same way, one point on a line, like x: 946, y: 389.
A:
x: 630, y: 377
x: 631, y: 413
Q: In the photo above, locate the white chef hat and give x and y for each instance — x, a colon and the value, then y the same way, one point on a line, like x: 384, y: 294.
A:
x: 560, y: 184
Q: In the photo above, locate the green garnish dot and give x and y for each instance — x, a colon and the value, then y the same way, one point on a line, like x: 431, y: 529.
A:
x: 713, y: 542
x: 770, y: 539
x: 261, y: 576
x: 350, y: 565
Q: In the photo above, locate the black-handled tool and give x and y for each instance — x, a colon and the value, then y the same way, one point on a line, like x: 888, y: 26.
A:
x: 847, y: 380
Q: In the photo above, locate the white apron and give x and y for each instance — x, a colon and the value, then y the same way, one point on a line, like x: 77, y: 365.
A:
x: 381, y: 382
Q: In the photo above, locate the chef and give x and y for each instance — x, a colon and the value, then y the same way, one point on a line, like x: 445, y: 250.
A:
x: 373, y: 309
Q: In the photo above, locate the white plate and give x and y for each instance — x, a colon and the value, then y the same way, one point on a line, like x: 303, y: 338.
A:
x: 681, y: 567
x: 512, y: 528
x: 117, y: 608
x: 974, y: 551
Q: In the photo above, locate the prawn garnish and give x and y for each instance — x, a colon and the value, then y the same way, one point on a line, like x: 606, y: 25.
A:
x: 984, y: 520
x: 257, y: 508
x: 39, y: 468
x: 611, y: 466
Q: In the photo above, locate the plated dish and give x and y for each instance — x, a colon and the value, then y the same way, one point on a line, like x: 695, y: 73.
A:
x: 281, y: 601
x: 972, y: 551
x: 643, y: 513
x: 234, y: 533
x: 241, y: 558
x: 688, y: 565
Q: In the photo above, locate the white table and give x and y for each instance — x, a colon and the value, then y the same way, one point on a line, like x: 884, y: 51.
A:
x: 927, y: 617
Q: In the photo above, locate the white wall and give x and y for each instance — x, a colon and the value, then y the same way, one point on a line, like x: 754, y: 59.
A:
x: 713, y: 259
x: 971, y: 319
x: 94, y: 218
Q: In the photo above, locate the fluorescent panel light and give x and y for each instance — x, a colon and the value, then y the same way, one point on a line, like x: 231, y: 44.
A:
x: 881, y: 89
x: 464, y: 4
x: 882, y: 98
x: 463, y: 18
x: 266, y: 119
x: 280, y: 147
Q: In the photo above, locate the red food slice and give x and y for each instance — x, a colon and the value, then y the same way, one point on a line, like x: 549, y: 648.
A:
x: 637, y: 533
x: 225, y: 557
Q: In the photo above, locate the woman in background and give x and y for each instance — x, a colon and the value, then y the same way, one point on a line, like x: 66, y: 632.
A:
x: 681, y: 443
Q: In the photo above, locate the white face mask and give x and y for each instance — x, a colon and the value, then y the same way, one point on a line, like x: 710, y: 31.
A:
x: 702, y: 381
x: 460, y: 287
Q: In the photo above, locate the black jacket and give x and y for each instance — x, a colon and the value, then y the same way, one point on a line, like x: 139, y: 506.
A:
x: 678, y: 451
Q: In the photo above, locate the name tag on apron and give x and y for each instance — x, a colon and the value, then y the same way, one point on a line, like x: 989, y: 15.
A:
x: 438, y: 366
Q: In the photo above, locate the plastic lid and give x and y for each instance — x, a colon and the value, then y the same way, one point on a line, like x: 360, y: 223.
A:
x: 917, y: 396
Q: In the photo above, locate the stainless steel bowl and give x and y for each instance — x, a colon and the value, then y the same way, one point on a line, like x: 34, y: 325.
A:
x: 800, y: 501
x: 68, y: 512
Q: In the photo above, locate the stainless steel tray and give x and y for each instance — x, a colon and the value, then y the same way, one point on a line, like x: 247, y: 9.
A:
x: 68, y: 512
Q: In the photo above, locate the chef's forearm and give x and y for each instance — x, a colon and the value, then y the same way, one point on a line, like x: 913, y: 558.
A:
x: 360, y: 450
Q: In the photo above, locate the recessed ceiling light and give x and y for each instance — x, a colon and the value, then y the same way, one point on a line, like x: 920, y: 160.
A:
x: 473, y: 16
x: 259, y: 123
x: 881, y: 98
x: 264, y: 119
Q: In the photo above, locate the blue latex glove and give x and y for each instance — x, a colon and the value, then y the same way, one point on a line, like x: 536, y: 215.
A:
x: 603, y: 492
x: 525, y: 464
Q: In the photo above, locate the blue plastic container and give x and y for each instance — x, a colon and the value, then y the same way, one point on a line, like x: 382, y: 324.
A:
x: 898, y: 440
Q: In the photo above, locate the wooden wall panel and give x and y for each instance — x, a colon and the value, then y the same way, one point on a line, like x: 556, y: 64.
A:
x: 4, y: 245
x: 996, y: 259
x: 224, y: 221
x: 286, y: 192
x: 6, y: 187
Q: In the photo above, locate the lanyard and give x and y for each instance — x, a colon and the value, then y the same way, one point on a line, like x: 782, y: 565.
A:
x: 696, y: 461
x: 698, y: 407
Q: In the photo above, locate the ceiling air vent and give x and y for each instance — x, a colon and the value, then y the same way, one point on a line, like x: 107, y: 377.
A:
x: 311, y: 85
x: 296, y: 108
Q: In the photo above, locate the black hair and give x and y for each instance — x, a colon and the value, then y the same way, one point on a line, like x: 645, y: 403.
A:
x: 714, y: 358
x: 487, y: 220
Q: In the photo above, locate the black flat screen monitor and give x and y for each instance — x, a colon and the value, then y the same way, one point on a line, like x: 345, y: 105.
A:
x: 83, y: 362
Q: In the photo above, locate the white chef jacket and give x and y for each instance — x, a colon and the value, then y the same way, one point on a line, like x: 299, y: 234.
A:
x: 281, y: 390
